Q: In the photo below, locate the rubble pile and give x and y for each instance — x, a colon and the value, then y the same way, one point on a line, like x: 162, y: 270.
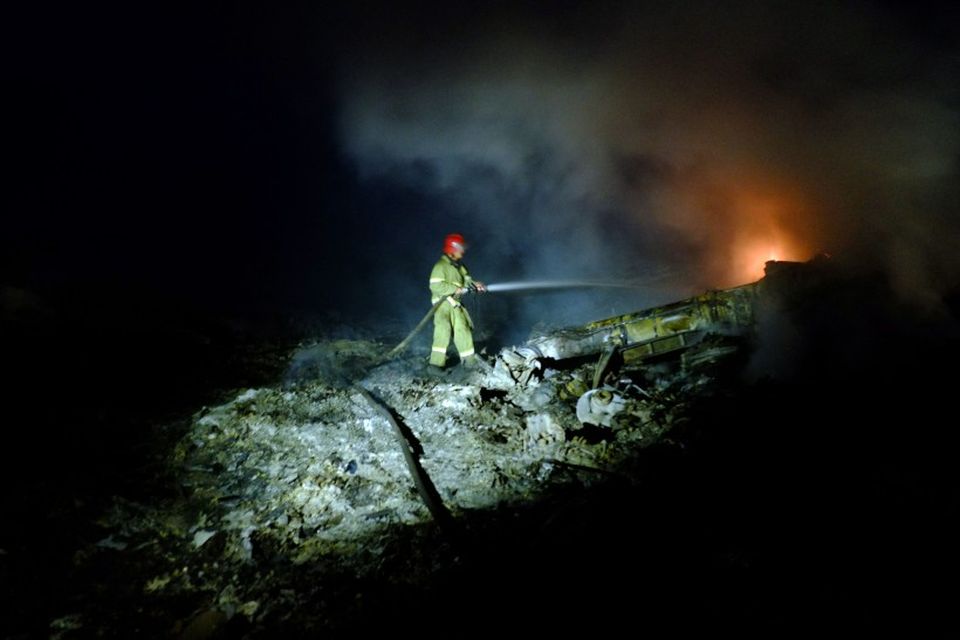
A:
x: 287, y: 491
x: 649, y: 467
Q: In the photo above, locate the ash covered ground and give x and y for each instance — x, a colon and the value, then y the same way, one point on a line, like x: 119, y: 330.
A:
x: 752, y: 491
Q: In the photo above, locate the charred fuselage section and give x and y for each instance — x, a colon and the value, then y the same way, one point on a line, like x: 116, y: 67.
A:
x: 704, y: 327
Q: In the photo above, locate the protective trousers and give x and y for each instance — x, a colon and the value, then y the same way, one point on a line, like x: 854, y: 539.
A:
x: 451, y: 319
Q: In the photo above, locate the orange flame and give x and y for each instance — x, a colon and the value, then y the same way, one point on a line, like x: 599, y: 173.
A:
x: 761, y: 234
x: 741, y: 219
x: 750, y: 259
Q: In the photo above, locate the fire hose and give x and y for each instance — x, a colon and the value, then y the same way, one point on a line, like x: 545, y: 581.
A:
x: 504, y: 286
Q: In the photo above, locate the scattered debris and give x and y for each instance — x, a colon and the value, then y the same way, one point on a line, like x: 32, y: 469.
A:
x: 600, y: 406
x: 308, y: 475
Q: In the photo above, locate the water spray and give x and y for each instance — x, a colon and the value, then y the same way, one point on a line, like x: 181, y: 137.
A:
x: 556, y: 284
x: 514, y: 286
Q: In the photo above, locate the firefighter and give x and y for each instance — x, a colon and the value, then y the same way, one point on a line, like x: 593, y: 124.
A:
x: 449, y: 280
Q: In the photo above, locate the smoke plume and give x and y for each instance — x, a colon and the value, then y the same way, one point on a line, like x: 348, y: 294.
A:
x: 675, y: 145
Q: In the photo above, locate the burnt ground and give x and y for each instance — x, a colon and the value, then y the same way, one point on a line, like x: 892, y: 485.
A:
x: 817, y: 494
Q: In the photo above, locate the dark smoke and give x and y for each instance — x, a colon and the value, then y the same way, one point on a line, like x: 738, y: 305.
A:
x: 687, y: 143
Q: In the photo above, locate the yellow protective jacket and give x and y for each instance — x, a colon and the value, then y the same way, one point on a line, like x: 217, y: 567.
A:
x: 447, y: 276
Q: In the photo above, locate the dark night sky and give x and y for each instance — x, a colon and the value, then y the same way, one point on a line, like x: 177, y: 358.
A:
x: 309, y: 157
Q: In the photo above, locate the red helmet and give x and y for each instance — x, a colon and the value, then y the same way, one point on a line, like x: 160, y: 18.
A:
x: 453, y: 242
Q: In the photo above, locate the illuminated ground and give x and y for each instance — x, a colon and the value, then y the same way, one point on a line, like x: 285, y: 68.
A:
x: 822, y: 498
x: 308, y: 479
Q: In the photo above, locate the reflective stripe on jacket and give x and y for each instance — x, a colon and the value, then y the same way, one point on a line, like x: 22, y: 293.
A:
x: 446, y: 277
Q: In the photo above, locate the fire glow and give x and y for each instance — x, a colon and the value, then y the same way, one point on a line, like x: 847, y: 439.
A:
x: 762, y: 221
x: 749, y: 260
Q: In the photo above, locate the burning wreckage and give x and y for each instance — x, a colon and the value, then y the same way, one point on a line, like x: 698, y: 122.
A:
x: 285, y: 494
